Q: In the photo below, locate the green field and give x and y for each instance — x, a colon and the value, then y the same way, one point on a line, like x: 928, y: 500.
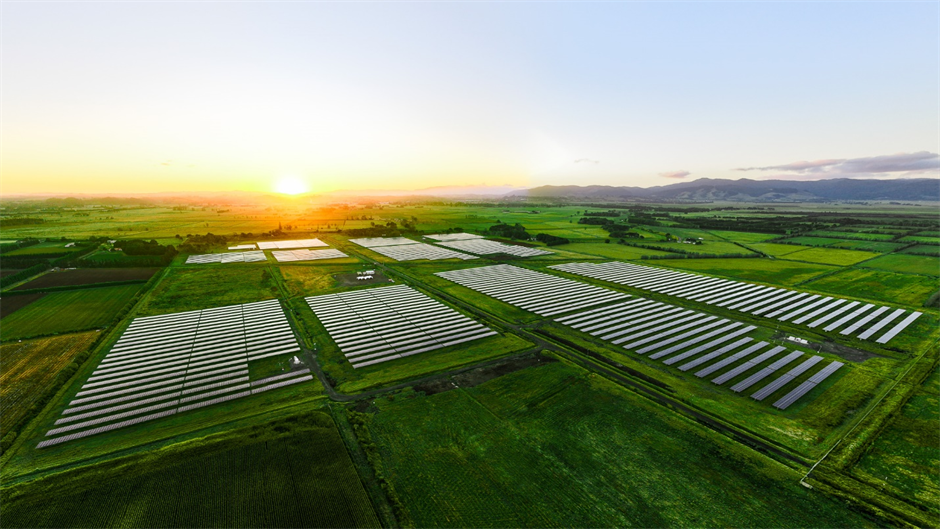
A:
x: 923, y: 249
x: 890, y: 287
x: 868, y: 246
x: 43, y: 248
x: 775, y: 271
x: 853, y: 235
x: 74, y: 310
x: 917, y: 238
x: 744, y: 237
x: 830, y: 256
x: 776, y: 249
x: 813, y: 241
x: 708, y: 247
x: 906, y: 263
x: 612, y: 250
x: 292, y: 472
x: 200, y: 288
x: 554, y: 446
x: 120, y: 259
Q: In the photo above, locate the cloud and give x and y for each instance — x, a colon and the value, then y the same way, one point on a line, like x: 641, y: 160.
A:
x: 586, y: 160
x: 675, y: 174
x: 910, y: 165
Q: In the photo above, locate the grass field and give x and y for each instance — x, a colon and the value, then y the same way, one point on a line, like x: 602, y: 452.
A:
x: 906, y: 289
x: 868, y: 246
x: 201, y: 288
x: 830, y: 256
x: 777, y: 250
x: 612, y: 250
x: 12, y: 304
x: 68, y: 278
x: 553, y: 446
x: 853, y: 235
x: 709, y: 247
x: 744, y: 237
x: 293, y: 472
x: 775, y: 271
x: 120, y: 259
x: 27, y: 367
x: 813, y: 241
x: 74, y: 310
x: 43, y: 248
x: 906, y: 263
x: 919, y: 238
x: 923, y: 249
x: 313, y: 280
x: 906, y: 456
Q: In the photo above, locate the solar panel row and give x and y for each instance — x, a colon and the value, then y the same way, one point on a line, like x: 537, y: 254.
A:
x: 537, y: 292
x: 228, y: 257
x: 417, y: 251
x: 783, y: 304
x: 453, y: 236
x: 288, y: 245
x: 289, y: 256
x: 485, y: 247
x: 162, y: 365
x: 379, y: 324
x: 804, y: 388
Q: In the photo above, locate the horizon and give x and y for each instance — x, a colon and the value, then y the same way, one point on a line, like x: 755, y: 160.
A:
x: 318, y: 98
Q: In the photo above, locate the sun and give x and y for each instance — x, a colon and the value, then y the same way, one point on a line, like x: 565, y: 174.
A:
x: 290, y: 185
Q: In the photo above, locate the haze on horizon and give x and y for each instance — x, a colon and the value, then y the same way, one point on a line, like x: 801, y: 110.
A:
x: 158, y: 97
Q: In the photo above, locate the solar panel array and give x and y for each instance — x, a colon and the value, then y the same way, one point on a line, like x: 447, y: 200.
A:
x: 804, y: 388
x: 414, y: 252
x: 380, y: 324
x: 250, y: 246
x: 288, y: 256
x: 802, y: 308
x: 485, y: 247
x: 229, y: 257
x: 689, y: 339
x: 453, y: 236
x: 169, y: 364
x: 543, y: 294
x: 375, y: 242
x: 287, y: 245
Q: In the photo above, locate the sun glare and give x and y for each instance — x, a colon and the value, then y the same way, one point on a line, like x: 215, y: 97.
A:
x: 290, y: 185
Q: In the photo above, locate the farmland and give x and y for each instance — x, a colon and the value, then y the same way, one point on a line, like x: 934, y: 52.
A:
x: 292, y: 472
x: 556, y: 446
x: 556, y: 443
x: 70, y: 278
x: 26, y: 368
x: 73, y: 310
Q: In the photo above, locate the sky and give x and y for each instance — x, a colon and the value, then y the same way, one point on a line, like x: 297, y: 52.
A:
x: 102, y: 97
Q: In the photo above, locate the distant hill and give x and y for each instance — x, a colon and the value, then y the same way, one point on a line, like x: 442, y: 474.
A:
x: 746, y: 190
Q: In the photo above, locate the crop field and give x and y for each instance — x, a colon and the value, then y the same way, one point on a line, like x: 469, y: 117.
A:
x: 73, y: 310
x: 868, y: 246
x: 197, y: 288
x: 709, y: 247
x: 119, y: 258
x: 27, y: 367
x: 744, y: 237
x: 293, y: 472
x: 775, y: 271
x: 906, y: 263
x: 813, y: 241
x: 920, y: 238
x: 853, y: 235
x: 774, y: 249
x: 12, y: 304
x: 923, y: 249
x: 555, y: 446
x: 830, y: 256
x: 69, y: 278
x: 612, y: 250
x: 905, y: 457
x: 906, y: 289
x: 43, y: 248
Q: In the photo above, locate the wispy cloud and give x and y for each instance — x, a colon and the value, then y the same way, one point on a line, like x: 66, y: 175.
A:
x: 915, y: 164
x: 586, y: 160
x: 675, y: 174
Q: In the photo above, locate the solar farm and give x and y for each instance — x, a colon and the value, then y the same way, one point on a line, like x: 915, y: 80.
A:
x: 828, y: 313
x: 437, y: 362
x: 380, y: 324
x: 170, y: 364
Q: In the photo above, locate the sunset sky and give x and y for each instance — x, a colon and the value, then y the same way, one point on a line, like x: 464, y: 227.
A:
x: 216, y: 96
